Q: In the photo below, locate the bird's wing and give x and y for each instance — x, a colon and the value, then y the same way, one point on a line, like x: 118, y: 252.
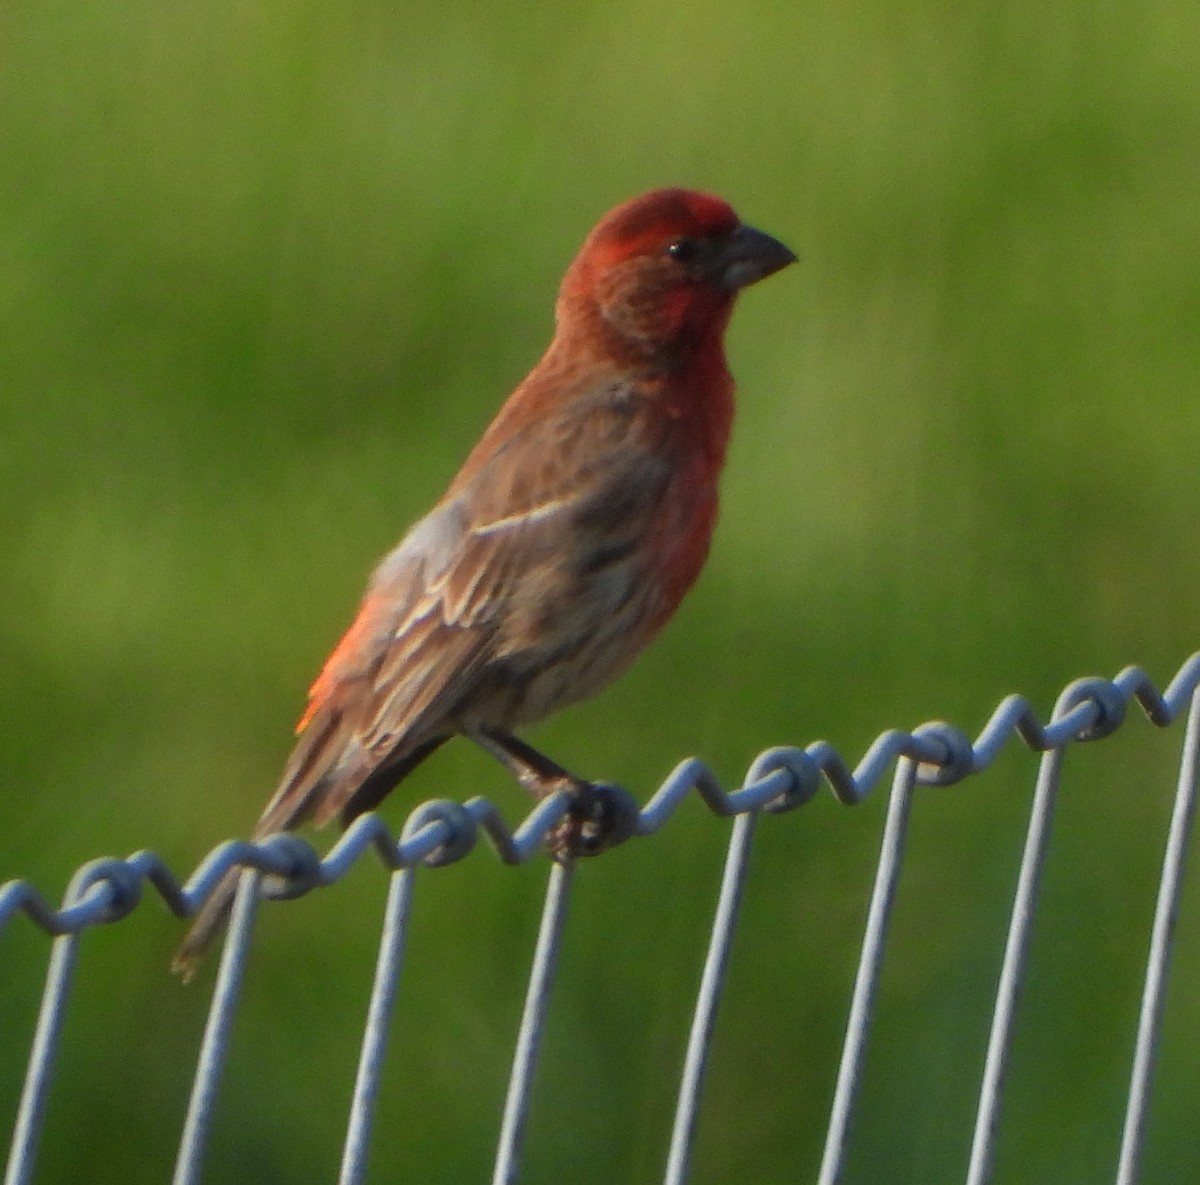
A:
x: 440, y: 607
x: 408, y: 656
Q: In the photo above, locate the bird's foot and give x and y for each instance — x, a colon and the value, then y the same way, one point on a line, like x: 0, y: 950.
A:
x: 600, y: 814
x: 600, y: 817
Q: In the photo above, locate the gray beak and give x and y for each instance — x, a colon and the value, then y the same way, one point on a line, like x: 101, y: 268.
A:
x: 749, y: 255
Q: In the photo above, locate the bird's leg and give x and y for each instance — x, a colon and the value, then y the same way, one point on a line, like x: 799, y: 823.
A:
x: 582, y: 831
x: 535, y: 771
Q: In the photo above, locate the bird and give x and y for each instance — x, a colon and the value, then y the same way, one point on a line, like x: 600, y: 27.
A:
x: 565, y: 542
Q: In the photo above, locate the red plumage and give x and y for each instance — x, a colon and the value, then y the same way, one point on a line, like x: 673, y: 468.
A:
x: 567, y: 539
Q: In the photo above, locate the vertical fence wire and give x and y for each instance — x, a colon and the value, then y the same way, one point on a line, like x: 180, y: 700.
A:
x: 1012, y: 972
x: 712, y: 981
x: 375, y: 1035
x: 215, y: 1043
x: 870, y: 965
x: 32, y: 1110
x: 533, y: 1022
x: 1162, y: 940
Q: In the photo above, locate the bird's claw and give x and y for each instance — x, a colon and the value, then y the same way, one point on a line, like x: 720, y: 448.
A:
x: 601, y: 816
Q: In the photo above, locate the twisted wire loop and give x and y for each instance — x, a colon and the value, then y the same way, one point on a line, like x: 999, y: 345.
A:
x: 779, y: 780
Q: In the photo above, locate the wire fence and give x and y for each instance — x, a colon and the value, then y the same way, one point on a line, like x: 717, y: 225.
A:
x: 781, y: 779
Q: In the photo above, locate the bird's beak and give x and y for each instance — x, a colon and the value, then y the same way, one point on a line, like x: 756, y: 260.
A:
x: 749, y: 255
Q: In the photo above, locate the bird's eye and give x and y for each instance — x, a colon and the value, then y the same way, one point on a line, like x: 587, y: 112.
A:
x: 682, y: 249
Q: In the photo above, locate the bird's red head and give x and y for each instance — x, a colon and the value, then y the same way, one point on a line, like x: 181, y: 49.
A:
x: 658, y: 275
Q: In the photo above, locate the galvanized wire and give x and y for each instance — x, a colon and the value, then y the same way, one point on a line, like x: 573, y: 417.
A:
x: 1012, y: 973
x: 533, y: 1023
x: 783, y: 778
x: 215, y: 1043
x: 779, y: 780
x: 1162, y: 940
x: 379, y: 1021
x: 32, y: 1109
x: 870, y: 965
x: 704, y: 1020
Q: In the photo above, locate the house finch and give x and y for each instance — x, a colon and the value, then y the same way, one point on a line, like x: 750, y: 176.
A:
x: 565, y: 542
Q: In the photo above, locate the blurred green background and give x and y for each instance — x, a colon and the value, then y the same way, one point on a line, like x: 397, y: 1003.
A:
x: 266, y: 271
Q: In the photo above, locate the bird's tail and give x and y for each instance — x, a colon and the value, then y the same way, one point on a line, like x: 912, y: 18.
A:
x: 307, y: 792
x: 292, y: 803
x: 214, y: 913
x: 210, y: 921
